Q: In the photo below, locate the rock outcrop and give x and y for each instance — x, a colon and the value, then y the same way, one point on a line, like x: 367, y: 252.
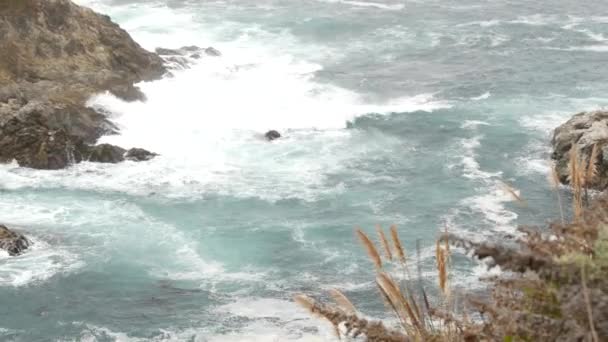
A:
x: 12, y: 242
x: 272, y: 135
x: 106, y: 153
x: 582, y: 132
x: 139, y: 154
x: 54, y: 55
x: 185, y: 56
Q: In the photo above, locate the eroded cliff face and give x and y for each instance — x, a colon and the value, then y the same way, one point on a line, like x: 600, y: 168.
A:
x: 56, y: 40
x: 54, y: 55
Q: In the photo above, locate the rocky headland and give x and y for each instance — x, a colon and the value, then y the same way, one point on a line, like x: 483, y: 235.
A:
x: 54, y: 55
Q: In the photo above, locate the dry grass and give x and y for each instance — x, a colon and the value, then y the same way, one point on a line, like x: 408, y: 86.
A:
x: 398, y: 246
x: 418, y: 320
x: 370, y: 248
x: 384, y: 241
x: 556, y: 288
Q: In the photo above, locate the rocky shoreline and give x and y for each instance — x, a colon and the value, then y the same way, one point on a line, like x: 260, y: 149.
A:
x: 56, y: 55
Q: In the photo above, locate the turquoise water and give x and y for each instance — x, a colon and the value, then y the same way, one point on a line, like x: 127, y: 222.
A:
x: 394, y: 112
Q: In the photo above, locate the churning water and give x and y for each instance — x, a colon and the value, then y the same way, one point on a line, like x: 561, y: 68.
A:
x: 406, y: 112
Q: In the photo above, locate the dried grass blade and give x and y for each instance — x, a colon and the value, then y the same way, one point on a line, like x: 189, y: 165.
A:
x: 384, y: 242
x: 342, y: 301
x: 370, y: 248
x: 397, y: 243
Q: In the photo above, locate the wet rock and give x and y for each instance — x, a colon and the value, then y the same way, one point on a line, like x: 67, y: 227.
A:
x: 54, y: 56
x: 167, y: 52
x: 12, y: 242
x: 211, y: 51
x: 582, y: 132
x: 139, y: 154
x: 272, y: 135
x: 185, y: 56
x: 106, y: 153
x: 61, y: 41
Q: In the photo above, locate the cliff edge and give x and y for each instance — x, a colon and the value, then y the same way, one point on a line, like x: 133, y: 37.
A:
x: 54, y: 55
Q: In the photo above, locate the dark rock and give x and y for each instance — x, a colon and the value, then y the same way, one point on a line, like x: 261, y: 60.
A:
x: 12, y: 242
x: 167, y: 52
x: 106, y: 153
x: 211, y: 51
x: 183, y: 57
x: 582, y: 132
x: 177, y: 62
x: 139, y: 154
x: 128, y: 92
x: 46, y: 45
x: 191, y: 48
x: 54, y: 55
x: 272, y: 135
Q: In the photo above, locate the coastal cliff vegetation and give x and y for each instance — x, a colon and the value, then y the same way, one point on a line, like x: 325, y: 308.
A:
x: 554, y: 284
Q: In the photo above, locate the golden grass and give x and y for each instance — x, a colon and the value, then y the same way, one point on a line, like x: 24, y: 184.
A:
x: 540, y: 300
x: 513, y: 193
x: 342, y: 301
x: 591, y: 170
x: 442, y: 266
x: 370, y: 248
x: 418, y: 321
x: 397, y: 243
x: 384, y: 242
x: 576, y: 179
x: 554, y: 182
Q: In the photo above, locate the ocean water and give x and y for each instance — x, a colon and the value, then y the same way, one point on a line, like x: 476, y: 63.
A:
x: 414, y: 113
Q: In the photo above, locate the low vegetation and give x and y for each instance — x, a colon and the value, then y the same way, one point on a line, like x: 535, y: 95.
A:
x: 554, y: 284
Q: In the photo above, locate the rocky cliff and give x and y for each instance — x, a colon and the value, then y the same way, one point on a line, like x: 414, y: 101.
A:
x: 54, y: 55
x: 581, y: 133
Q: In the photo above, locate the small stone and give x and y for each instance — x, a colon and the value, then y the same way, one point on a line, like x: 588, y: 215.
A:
x: 211, y: 51
x: 272, y: 135
x: 139, y: 154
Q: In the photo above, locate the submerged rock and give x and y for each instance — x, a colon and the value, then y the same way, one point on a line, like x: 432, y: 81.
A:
x: 211, y: 51
x: 582, y: 132
x: 272, y: 135
x: 185, y: 56
x: 107, y: 153
x: 12, y: 242
x: 54, y: 56
x: 139, y: 154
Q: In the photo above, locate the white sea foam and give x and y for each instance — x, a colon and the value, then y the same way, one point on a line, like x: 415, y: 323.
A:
x: 472, y: 169
x: 492, y: 195
x: 491, y: 206
x: 484, y: 23
x: 544, y: 122
x: 207, y: 122
x: 383, y: 6
x: 483, y: 96
x: 38, y: 263
x: 269, y: 320
x: 591, y: 48
x: 535, y: 20
x: 472, y: 125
